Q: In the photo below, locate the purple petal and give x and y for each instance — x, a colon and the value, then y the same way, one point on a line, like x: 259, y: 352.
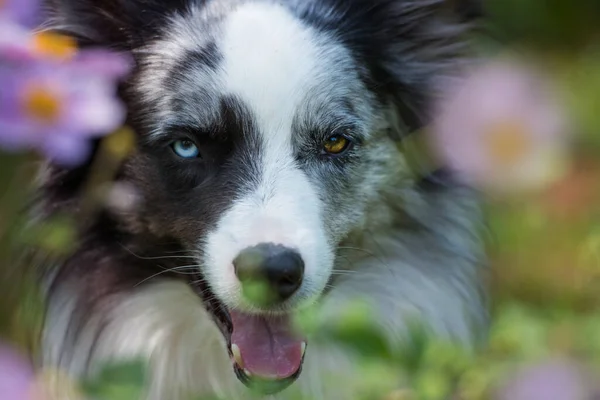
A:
x: 495, y: 92
x: 14, y: 42
x: 89, y: 103
x: 10, y: 92
x: 67, y: 150
x: 105, y: 63
x: 552, y: 381
x: 16, y: 375
x: 24, y: 12
x: 15, y: 136
x: 98, y: 116
x: 16, y: 132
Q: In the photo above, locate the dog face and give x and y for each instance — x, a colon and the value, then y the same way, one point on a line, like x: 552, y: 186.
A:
x: 263, y: 141
x: 259, y: 134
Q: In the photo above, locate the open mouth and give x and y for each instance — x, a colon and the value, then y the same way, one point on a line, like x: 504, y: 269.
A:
x: 266, y: 352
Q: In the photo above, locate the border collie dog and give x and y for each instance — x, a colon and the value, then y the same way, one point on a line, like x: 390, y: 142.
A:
x: 267, y: 153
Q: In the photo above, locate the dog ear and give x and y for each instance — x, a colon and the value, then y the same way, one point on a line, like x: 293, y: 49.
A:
x: 117, y: 24
x: 409, y: 46
x: 425, y: 44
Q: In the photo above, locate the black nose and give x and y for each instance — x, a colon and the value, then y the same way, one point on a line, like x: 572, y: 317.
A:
x: 269, y: 273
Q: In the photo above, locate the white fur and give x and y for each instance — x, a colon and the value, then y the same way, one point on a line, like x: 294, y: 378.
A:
x: 285, y: 208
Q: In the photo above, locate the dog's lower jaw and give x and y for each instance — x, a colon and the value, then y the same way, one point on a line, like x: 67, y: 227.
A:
x: 166, y: 324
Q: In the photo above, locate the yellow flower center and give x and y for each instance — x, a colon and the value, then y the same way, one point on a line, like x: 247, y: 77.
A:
x: 508, y: 142
x: 42, y: 104
x: 54, y: 45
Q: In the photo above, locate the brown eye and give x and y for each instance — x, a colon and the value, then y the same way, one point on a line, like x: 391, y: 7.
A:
x: 336, y: 144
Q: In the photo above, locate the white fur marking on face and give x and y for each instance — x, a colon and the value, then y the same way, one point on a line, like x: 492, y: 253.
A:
x: 270, y: 61
x: 272, y: 82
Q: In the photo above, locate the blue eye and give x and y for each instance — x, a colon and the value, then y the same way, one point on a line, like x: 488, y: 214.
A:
x: 185, y: 149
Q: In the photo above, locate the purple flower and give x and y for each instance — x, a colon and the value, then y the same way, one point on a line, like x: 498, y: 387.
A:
x: 57, y: 108
x: 53, y: 98
x: 16, y: 375
x: 18, y: 44
x: 551, y: 381
x: 24, y: 12
x: 503, y: 129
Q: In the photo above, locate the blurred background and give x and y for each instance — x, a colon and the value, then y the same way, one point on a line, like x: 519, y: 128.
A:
x: 531, y: 103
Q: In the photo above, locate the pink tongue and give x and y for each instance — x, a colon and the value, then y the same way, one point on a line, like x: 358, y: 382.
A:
x: 268, y: 345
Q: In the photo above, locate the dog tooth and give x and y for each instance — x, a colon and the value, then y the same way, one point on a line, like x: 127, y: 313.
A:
x: 303, y: 347
x: 237, y: 355
x: 248, y: 373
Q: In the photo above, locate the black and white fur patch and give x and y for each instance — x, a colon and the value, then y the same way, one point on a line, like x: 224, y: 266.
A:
x: 258, y: 86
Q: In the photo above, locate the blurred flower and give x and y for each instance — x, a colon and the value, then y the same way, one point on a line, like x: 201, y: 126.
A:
x: 54, y: 98
x: 53, y: 46
x: 58, y: 108
x: 19, y: 382
x: 551, y: 381
x: 119, y: 144
x: 16, y: 375
x: 502, y: 130
x: 20, y: 44
x: 122, y: 197
x: 52, y: 384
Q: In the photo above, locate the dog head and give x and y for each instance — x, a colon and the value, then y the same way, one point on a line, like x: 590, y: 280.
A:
x: 265, y: 134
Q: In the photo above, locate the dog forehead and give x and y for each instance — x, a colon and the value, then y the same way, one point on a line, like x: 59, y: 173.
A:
x: 285, y: 72
x: 269, y: 58
x: 277, y: 65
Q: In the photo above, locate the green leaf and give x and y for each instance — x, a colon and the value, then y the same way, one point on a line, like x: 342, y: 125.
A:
x: 413, y: 350
x: 356, y: 328
x: 124, y: 380
x: 117, y: 392
x: 432, y: 385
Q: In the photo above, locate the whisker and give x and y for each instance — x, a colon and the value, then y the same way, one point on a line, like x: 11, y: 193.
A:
x: 348, y: 261
x: 342, y: 273
x: 177, y: 270
x: 357, y: 249
x: 154, y: 258
x: 368, y: 252
x: 177, y: 252
x: 203, y: 293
